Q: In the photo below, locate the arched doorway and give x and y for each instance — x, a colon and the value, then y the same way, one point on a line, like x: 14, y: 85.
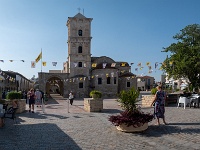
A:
x: 54, y: 85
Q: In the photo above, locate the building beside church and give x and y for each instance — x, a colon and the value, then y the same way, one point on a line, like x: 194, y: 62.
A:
x: 81, y: 72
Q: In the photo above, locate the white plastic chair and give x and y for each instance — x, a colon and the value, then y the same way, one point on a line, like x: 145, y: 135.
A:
x: 183, y: 100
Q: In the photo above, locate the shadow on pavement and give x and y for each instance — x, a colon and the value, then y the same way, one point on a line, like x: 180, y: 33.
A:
x: 111, y: 111
x: 158, y: 131
x: 52, y: 101
x: 36, y: 136
x: 36, y: 115
x: 182, y: 123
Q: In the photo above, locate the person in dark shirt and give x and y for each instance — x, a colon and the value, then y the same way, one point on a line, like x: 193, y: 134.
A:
x: 4, y: 95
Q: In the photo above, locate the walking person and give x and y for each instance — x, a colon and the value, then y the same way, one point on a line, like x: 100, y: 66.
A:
x: 31, y: 96
x: 71, y: 97
x: 38, y: 98
x: 159, y: 105
x: 4, y: 94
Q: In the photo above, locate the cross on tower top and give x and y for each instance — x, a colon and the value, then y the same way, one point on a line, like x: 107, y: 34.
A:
x: 79, y: 9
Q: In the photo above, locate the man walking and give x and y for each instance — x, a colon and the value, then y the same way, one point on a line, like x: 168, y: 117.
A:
x: 38, y: 98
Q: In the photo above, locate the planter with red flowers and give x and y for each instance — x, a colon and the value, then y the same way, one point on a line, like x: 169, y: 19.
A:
x: 132, y: 119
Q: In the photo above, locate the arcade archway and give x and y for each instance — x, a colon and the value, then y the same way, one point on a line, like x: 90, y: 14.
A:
x: 54, y: 85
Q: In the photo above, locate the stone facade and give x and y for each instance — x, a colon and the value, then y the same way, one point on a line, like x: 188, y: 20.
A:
x: 81, y: 72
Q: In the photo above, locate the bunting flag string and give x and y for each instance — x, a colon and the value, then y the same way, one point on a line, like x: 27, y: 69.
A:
x: 93, y: 65
x: 113, y: 64
x: 54, y: 63
x: 33, y: 64
x: 139, y: 64
x: 148, y: 63
x: 44, y: 63
x: 84, y: 65
x: 156, y: 65
x: 104, y: 65
x: 75, y: 65
x: 149, y: 67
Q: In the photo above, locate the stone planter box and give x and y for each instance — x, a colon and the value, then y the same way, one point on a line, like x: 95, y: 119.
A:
x: 147, y: 100
x: 21, y: 105
x: 93, y: 105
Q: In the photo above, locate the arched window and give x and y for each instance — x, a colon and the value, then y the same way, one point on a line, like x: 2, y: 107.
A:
x: 80, y: 32
x: 80, y: 49
x: 108, y: 80
x: 80, y: 64
x: 80, y: 85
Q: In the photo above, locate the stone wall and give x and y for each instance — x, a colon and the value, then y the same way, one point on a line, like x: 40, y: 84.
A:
x: 147, y: 100
x: 93, y: 105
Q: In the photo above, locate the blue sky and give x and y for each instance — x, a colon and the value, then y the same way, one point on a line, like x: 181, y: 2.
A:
x: 134, y: 31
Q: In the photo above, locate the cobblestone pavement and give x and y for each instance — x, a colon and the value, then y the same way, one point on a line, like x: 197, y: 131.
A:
x: 58, y: 129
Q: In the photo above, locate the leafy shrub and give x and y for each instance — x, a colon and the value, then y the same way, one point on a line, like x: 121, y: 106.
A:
x: 128, y: 99
x: 153, y: 91
x: 13, y: 95
x: 95, y: 94
x: 135, y: 118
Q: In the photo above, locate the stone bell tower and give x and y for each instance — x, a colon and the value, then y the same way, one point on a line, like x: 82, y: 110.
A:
x: 79, y: 45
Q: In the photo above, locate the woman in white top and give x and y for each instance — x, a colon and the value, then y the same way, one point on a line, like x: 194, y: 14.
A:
x: 71, y: 97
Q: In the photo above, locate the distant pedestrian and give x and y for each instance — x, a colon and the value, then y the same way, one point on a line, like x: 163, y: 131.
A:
x: 159, y: 107
x: 24, y: 93
x: 4, y: 94
x: 31, y: 96
x: 38, y: 98
x: 71, y: 97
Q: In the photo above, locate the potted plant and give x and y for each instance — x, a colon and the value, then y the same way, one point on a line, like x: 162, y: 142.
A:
x: 15, y: 100
x: 94, y: 104
x: 131, y: 119
x: 14, y: 96
x: 95, y: 94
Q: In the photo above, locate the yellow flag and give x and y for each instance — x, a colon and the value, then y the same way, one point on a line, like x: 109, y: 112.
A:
x: 39, y: 57
x: 171, y: 62
x: 44, y: 63
x: 148, y: 63
x: 123, y: 64
x: 94, y: 65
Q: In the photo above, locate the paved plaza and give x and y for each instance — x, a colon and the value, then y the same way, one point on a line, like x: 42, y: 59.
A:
x: 58, y: 129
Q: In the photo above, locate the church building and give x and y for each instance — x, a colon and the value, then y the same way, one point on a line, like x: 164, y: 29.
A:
x: 83, y: 73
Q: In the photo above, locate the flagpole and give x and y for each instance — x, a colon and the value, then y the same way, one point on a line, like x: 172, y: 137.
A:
x: 41, y: 61
x: 43, y: 79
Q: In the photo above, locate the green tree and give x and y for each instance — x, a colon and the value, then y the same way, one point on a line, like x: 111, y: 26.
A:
x: 184, y: 60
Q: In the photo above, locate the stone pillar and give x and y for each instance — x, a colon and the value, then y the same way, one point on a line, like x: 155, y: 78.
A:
x: 93, y: 105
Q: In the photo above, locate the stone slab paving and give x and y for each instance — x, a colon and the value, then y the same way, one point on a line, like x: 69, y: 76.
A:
x: 58, y: 129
